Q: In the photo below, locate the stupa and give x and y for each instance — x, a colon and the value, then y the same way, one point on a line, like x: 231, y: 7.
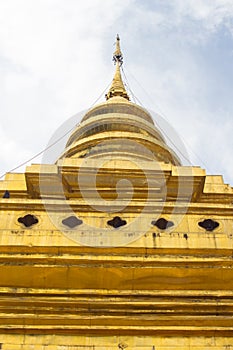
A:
x: 117, y: 245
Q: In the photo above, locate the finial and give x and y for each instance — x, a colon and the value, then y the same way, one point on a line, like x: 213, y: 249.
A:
x: 117, y: 56
x: 117, y: 88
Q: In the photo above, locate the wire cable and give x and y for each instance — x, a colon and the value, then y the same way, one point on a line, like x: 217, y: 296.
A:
x: 160, y: 128
x: 165, y: 117
x: 52, y: 144
x: 39, y: 153
x: 127, y: 85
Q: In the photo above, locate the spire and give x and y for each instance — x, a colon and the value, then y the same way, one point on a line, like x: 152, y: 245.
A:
x: 117, y: 56
x: 117, y: 87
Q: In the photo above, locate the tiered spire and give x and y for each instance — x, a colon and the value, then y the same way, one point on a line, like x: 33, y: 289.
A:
x: 117, y: 87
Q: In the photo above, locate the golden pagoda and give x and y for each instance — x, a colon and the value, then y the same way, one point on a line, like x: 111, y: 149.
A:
x: 117, y: 245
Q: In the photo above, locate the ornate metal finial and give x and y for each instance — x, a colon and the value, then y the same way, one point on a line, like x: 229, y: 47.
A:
x: 117, y: 87
x: 117, y: 56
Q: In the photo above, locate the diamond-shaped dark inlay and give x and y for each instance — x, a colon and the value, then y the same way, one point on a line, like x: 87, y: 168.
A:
x: 117, y: 222
x: 28, y: 220
x: 162, y: 223
x: 208, y: 224
x: 72, y: 221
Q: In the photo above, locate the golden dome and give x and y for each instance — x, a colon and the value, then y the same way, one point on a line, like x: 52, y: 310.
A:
x: 117, y: 126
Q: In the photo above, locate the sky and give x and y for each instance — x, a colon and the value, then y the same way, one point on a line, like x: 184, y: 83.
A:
x: 56, y: 61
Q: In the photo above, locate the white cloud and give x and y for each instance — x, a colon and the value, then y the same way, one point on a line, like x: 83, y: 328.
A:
x: 49, y: 54
x: 211, y: 13
x: 55, y: 60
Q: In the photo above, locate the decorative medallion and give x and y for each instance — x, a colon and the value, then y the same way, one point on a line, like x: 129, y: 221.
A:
x: 28, y: 220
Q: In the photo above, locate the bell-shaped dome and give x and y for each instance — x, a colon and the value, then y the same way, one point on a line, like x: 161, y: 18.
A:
x: 118, y: 127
